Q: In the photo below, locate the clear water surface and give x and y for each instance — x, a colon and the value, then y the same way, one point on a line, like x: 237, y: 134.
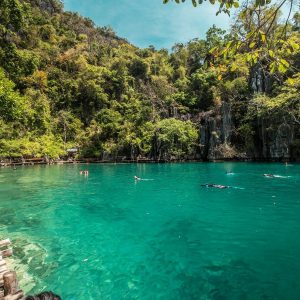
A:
x: 106, y: 236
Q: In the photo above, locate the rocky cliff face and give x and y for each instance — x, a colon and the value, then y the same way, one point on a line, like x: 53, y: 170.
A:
x: 260, y: 82
x: 276, y: 139
x: 216, y: 131
x: 273, y: 140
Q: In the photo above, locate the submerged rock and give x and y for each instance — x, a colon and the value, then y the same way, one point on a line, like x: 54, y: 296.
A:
x: 29, y: 261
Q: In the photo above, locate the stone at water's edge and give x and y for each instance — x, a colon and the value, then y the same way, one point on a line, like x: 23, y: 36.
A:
x: 27, y: 259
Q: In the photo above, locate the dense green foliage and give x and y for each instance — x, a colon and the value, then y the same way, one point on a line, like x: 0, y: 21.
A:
x: 66, y: 83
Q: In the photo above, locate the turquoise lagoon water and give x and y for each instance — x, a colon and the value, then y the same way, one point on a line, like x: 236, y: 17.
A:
x: 107, y: 237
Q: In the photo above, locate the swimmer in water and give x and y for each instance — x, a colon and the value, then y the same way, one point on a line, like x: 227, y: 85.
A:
x: 229, y: 173
x: 137, y: 178
x: 269, y: 175
x: 217, y: 186
x: 80, y: 172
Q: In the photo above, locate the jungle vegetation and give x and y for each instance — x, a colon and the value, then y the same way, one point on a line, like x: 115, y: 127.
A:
x: 65, y: 83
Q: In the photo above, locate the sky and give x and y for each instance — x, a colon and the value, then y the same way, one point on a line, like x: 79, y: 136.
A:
x: 149, y: 22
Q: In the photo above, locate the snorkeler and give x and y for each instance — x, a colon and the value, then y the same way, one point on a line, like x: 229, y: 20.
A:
x: 137, y: 178
x: 217, y: 186
x: 269, y: 175
x: 207, y: 185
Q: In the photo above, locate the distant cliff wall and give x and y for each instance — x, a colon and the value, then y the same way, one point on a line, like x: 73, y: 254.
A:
x: 272, y: 139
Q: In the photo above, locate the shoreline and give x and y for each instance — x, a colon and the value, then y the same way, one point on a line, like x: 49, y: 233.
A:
x: 4, y: 164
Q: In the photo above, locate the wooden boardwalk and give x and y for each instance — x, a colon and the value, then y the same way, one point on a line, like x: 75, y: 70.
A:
x: 9, y: 289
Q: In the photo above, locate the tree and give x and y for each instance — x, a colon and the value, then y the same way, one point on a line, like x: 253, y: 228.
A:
x: 11, y: 16
x: 13, y: 106
x: 225, y: 5
x: 175, y: 139
x: 65, y: 82
x: 260, y: 20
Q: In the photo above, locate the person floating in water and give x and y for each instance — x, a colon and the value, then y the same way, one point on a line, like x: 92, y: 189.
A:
x: 269, y: 175
x: 229, y: 173
x: 217, y: 186
x: 137, y: 178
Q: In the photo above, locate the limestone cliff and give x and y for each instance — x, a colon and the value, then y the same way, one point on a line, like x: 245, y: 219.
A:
x: 272, y: 140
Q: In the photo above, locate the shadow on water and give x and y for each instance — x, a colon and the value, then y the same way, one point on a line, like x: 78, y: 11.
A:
x: 180, y: 276
x: 107, y: 211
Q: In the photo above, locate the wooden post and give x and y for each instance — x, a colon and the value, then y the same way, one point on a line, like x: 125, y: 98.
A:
x: 10, y: 283
x: 9, y: 289
x: 3, y: 269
